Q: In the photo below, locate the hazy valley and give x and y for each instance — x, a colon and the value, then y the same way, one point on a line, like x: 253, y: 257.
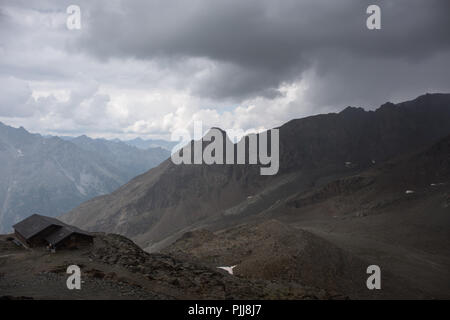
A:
x: 49, y: 175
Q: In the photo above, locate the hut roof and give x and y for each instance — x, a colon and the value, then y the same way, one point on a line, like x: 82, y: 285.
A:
x: 36, y: 223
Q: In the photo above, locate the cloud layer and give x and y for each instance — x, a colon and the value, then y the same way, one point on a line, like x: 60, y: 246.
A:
x: 150, y: 67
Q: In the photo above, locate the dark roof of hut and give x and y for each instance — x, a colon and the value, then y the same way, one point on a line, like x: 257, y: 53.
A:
x: 58, y: 235
x: 36, y: 223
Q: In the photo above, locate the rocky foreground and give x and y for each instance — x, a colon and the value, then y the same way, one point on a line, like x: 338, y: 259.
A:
x: 115, y: 268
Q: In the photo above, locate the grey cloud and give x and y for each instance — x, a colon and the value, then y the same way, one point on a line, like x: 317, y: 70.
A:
x: 259, y: 44
x: 14, y: 98
x: 368, y: 83
x: 222, y: 53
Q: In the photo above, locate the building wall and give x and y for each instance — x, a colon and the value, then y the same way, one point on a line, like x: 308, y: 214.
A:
x: 21, y: 238
x: 38, y: 240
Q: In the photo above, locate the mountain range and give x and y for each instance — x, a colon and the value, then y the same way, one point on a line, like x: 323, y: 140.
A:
x: 354, y: 188
x: 151, y: 143
x: 136, y: 142
x: 50, y: 175
x: 313, y: 150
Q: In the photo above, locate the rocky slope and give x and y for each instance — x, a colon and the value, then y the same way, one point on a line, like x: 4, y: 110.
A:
x: 274, y: 251
x: 157, y: 207
x: 395, y: 215
x: 115, y: 268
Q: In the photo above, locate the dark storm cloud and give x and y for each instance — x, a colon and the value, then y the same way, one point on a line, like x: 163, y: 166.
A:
x: 258, y: 45
x: 145, y: 67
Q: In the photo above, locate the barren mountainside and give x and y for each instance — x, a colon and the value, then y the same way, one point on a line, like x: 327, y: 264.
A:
x: 158, y: 206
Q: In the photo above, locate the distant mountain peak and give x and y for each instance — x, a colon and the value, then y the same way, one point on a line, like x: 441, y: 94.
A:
x: 351, y: 109
x: 386, y: 106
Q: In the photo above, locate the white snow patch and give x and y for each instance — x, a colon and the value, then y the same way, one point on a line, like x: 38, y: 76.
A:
x: 227, y: 269
x: 437, y: 184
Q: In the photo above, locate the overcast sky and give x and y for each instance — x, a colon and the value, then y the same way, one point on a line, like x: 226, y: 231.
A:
x: 146, y: 68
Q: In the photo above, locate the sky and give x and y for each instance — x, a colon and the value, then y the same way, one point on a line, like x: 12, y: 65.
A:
x: 148, y: 68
